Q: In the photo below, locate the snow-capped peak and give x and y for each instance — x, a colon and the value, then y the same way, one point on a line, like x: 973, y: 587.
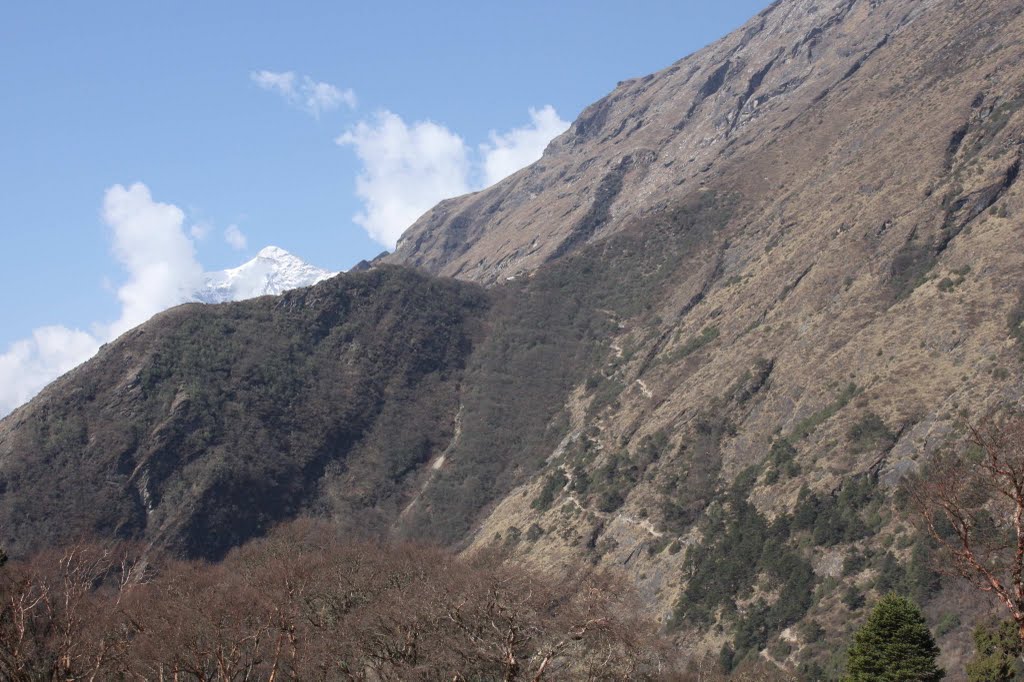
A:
x: 272, y: 271
x: 273, y: 252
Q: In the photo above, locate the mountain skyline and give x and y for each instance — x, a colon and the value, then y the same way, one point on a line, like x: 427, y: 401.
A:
x: 225, y: 129
x: 286, y: 136
x: 272, y: 272
x: 51, y: 351
x: 717, y: 344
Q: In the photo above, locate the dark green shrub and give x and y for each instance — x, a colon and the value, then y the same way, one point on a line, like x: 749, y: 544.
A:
x: 892, y: 576
x: 727, y: 658
x: 854, y: 562
x: 947, y: 624
x: 836, y: 519
x: 923, y: 580
x: 610, y: 484
x: 512, y: 536
x: 782, y: 459
x: 853, y: 598
x: 780, y: 649
x: 869, y: 433
x: 807, y: 425
x: 552, y: 487
x: 811, y: 631
x: 706, y: 336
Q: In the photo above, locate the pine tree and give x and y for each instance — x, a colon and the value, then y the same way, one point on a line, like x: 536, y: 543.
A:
x: 997, y: 652
x: 894, y: 645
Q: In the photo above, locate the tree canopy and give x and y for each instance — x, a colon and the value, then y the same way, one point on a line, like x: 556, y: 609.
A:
x: 894, y: 645
x: 997, y: 653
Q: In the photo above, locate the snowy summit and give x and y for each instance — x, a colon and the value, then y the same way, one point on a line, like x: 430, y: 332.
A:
x: 273, y: 271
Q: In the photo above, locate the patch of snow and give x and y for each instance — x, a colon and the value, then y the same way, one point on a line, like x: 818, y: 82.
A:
x: 273, y: 271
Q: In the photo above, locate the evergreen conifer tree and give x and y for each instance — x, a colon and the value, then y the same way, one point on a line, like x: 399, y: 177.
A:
x: 894, y: 645
x: 997, y: 653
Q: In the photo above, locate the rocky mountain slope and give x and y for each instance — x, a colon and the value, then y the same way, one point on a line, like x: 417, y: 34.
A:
x: 700, y: 340
x: 805, y: 85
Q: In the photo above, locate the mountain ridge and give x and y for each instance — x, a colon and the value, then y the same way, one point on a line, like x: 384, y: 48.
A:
x: 743, y: 78
x: 700, y: 349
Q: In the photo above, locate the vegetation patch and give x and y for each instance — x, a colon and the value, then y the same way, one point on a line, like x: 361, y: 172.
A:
x: 833, y: 519
x: 911, y: 266
x: 741, y: 551
x: 687, y: 492
x: 612, y: 481
x: 782, y: 461
x: 707, y: 336
x: 755, y: 576
x: 948, y: 284
x: 306, y: 604
x: 548, y: 334
x: 870, y: 433
x: 1016, y: 324
x: 606, y: 391
x: 553, y: 485
x: 242, y: 415
x: 607, y: 486
x: 806, y: 426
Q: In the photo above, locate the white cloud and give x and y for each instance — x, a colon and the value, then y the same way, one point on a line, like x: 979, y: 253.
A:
x: 149, y: 240
x: 283, y: 83
x: 313, y: 97
x: 506, y: 153
x: 407, y: 168
x: 200, y: 231
x: 30, y: 364
x: 235, y: 239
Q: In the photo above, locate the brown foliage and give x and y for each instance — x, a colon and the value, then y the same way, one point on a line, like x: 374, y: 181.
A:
x: 303, y: 604
x: 61, y: 617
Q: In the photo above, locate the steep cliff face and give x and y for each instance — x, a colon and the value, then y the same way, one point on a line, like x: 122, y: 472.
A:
x: 722, y: 316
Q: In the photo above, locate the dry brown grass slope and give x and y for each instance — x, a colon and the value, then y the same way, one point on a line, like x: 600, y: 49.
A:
x: 873, y: 149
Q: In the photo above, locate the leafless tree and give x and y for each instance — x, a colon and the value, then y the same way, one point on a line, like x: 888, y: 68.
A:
x: 60, y: 618
x: 971, y: 501
x: 305, y: 603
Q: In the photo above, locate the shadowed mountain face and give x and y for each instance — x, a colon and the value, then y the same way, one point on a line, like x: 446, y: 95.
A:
x: 204, y: 426
x: 727, y: 310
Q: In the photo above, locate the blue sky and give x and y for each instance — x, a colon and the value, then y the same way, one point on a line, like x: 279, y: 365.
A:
x: 171, y: 95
